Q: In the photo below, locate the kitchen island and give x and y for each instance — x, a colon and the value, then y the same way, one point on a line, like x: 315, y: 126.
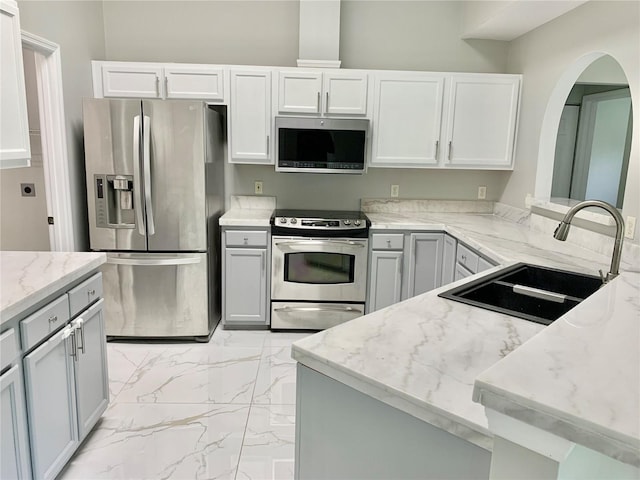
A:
x: 54, y: 381
x: 418, y: 361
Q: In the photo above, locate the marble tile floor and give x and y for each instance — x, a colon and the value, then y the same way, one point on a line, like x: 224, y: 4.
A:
x: 220, y: 410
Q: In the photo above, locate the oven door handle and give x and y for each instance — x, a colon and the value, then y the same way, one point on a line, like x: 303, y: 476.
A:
x: 327, y: 308
x: 309, y: 243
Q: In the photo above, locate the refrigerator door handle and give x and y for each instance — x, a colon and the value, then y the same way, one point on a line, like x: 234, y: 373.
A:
x: 149, y: 262
x: 136, y: 176
x: 146, y: 159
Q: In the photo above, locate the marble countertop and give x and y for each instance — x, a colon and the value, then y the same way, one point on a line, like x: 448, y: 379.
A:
x: 249, y: 211
x: 27, y: 278
x: 246, y: 217
x: 423, y: 355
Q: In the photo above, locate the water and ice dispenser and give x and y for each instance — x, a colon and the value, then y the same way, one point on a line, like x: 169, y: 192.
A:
x: 114, y: 201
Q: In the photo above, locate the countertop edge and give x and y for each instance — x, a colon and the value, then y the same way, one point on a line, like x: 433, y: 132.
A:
x: 552, y: 421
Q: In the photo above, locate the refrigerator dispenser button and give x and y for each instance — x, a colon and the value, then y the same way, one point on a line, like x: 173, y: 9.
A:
x: 126, y: 200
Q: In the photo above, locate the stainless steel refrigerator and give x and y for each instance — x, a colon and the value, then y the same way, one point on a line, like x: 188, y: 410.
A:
x: 155, y: 191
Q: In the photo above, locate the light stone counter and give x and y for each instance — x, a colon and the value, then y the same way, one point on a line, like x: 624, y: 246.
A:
x: 423, y: 355
x: 27, y: 278
x: 249, y: 211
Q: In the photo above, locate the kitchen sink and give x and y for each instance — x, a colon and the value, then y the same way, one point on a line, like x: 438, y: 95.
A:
x: 531, y: 292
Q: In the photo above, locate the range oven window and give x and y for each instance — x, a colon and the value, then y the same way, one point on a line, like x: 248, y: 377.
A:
x: 319, y: 268
x: 321, y: 148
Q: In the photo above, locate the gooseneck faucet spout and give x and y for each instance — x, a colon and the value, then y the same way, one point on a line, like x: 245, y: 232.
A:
x: 563, y: 230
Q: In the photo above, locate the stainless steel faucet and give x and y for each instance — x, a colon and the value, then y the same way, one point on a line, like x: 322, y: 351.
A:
x: 563, y: 229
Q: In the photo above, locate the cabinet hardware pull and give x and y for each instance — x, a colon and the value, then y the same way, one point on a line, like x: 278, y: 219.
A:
x: 319, y: 102
x: 53, y: 319
x: 326, y: 105
x: 437, y: 148
x: 267, y: 145
x: 74, y: 347
x: 449, y: 154
x: 166, y: 86
x: 262, y: 260
x: 79, y: 326
x: 157, y: 85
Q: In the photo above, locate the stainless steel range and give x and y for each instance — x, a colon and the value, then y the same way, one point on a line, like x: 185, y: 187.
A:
x: 319, y: 268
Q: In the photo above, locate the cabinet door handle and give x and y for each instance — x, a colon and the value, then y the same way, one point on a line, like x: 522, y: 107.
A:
x: 326, y: 105
x: 437, y: 148
x: 158, y: 86
x: 450, y: 148
x: 267, y: 144
x: 53, y: 319
x: 166, y: 86
x: 319, y: 102
x: 78, y: 325
x: 262, y: 261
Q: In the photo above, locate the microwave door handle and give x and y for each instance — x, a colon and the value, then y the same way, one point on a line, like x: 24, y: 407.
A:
x: 139, y: 205
x: 146, y: 134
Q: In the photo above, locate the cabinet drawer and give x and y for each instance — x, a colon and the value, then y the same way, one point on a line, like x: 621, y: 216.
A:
x: 461, y: 273
x: 85, y: 294
x: 38, y: 326
x: 387, y: 241
x: 9, y: 348
x: 466, y: 257
x: 241, y: 238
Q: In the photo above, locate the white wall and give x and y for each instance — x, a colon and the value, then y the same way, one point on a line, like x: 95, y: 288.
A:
x: 413, y: 35
x: 544, y: 54
x: 226, y: 32
x: 78, y: 28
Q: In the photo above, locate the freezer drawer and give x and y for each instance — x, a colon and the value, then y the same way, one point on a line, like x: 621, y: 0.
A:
x: 156, y: 295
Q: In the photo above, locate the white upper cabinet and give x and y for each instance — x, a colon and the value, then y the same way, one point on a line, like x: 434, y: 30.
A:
x: 157, y: 80
x: 407, y: 116
x: 194, y: 82
x: 481, y: 123
x: 15, y: 150
x: 132, y: 81
x: 322, y: 93
x: 250, y: 121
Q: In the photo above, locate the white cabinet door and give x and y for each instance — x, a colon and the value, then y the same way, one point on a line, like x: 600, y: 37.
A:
x: 15, y: 150
x: 407, y: 116
x: 425, y: 264
x: 482, y: 121
x: 92, y: 379
x: 13, y: 442
x: 250, y: 122
x: 132, y: 81
x: 194, y: 82
x: 245, y: 286
x: 385, y: 285
x: 299, y: 92
x: 345, y: 93
x: 51, y: 404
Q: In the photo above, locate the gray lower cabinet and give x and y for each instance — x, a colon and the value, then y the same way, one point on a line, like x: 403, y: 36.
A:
x: 448, y: 259
x: 14, y: 456
x: 425, y: 262
x: 245, y: 286
x: 385, y: 286
x: 67, y: 390
x: 245, y: 278
x: 92, y: 378
x: 51, y: 403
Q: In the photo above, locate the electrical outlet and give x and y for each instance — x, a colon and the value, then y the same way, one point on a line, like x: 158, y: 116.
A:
x: 258, y: 188
x: 630, y: 227
x: 395, y: 190
x: 482, y: 192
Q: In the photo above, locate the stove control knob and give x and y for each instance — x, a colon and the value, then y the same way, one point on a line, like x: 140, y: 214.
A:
x: 294, y: 221
x: 356, y: 223
x: 283, y: 220
x: 347, y: 222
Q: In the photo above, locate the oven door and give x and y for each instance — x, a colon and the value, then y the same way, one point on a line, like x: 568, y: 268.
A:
x: 319, y: 269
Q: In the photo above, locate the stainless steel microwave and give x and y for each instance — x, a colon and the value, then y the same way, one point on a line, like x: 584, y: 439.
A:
x: 321, y: 145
